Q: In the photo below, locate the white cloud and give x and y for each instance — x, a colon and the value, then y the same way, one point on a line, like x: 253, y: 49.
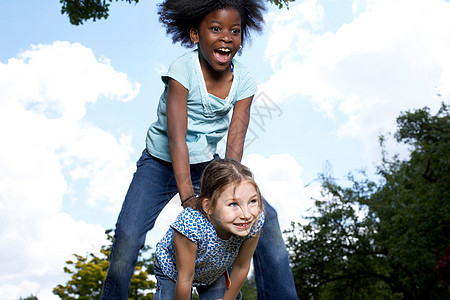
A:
x: 9, y: 291
x: 392, y: 57
x: 46, y: 147
x: 291, y: 31
x: 165, y: 218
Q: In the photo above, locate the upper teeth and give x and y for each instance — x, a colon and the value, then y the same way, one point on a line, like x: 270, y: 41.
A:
x: 224, y: 49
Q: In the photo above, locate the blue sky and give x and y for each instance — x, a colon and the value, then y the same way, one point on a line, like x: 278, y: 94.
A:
x: 75, y: 104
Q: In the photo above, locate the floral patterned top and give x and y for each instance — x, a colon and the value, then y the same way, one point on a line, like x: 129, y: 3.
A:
x: 214, y: 255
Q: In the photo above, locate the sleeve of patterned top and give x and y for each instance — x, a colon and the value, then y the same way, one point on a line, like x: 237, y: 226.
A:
x: 187, y: 224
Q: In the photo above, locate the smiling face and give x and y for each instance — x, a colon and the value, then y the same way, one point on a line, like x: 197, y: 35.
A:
x: 235, y: 211
x: 218, y: 38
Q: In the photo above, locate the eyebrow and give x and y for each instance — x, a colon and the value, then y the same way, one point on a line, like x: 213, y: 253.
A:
x: 218, y: 22
x: 237, y: 199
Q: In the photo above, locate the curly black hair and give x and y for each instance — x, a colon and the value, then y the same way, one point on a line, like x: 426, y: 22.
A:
x: 179, y: 16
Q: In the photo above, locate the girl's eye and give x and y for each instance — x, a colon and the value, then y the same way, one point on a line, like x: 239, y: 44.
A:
x: 254, y: 201
x: 236, y: 31
x: 215, y: 29
x: 233, y: 204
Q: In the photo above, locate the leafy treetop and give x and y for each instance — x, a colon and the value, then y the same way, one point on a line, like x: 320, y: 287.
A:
x: 80, y: 11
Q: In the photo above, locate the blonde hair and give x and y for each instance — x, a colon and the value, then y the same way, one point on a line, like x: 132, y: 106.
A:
x: 221, y: 173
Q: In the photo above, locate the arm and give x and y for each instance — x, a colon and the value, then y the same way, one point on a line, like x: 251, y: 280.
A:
x: 241, y: 266
x: 185, y: 251
x: 238, y: 128
x: 176, y: 132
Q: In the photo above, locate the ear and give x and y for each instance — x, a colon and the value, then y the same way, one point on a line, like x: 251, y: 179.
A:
x: 206, y: 206
x: 193, y: 33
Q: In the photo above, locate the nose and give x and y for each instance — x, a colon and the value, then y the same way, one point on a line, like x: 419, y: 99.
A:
x: 226, y: 36
x: 245, y: 213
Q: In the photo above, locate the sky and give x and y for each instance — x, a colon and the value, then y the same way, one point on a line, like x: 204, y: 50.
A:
x: 76, y: 102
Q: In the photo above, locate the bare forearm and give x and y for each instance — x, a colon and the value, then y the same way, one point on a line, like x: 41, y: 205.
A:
x: 235, y: 148
x: 236, y: 139
x: 237, y: 278
x: 182, y: 291
x: 185, y: 251
x: 181, y: 168
x: 238, y: 129
x: 241, y: 266
x: 176, y: 132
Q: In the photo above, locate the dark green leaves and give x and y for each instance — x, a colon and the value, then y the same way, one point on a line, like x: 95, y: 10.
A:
x: 80, y: 11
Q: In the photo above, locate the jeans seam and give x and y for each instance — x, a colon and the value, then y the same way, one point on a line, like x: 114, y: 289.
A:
x: 258, y: 272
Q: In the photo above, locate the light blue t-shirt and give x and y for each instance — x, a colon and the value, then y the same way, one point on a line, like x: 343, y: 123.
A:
x: 208, y: 115
x: 214, y: 255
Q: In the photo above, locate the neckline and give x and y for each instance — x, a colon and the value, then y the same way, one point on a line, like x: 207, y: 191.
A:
x: 203, y: 82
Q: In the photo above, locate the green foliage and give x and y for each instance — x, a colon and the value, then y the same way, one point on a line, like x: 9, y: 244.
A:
x: 333, y: 256
x: 414, y: 203
x: 382, y: 241
x: 83, y: 10
x: 88, y: 275
x: 31, y: 297
x: 80, y: 11
x: 281, y: 3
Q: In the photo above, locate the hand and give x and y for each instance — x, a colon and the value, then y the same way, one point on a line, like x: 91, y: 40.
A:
x: 190, y: 201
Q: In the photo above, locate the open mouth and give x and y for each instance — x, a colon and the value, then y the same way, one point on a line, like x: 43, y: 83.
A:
x: 222, y: 54
x: 243, y: 225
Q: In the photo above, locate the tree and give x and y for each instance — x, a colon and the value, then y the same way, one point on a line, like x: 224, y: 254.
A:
x: 383, y: 240
x: 80, y: 11
x: 333, y: 257
x: 31, y: 297
x: 88, y: 275
x: 83, y: 10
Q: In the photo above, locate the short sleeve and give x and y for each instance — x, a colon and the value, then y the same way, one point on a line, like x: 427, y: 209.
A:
x: 188, y: 224
x: 247, y: 83
x: 179, y: 71
x: 257, y: 227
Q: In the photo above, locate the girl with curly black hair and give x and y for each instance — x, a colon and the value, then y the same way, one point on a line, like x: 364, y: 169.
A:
x: 202, y: 87
x: 180, y: 16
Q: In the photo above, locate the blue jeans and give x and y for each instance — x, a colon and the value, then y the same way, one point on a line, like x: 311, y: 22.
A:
x: 165, y: 288
x: 152, y: 187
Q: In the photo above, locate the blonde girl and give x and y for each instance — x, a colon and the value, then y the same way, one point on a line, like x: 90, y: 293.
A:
x: 201, y: 246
